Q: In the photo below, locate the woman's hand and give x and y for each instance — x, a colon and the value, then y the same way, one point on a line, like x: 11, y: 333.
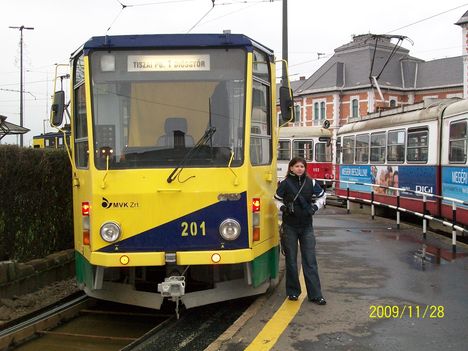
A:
x: 313, y: 209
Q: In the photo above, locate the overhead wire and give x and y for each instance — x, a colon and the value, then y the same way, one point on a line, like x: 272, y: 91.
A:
x: 232, y: 2
x: 402, y: 27
x: 206, y: 14
x: 427, y: 18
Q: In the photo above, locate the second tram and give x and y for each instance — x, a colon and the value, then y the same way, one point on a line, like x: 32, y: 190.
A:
x: 423, y: 149
x: 311, y: 143
x: 51, y: 140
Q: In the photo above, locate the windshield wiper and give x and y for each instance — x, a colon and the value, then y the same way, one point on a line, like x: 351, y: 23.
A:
x: 203, y: 140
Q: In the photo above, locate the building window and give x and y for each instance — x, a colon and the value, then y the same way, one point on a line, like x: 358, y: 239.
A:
x: 354, y: 108
x: 458, y: 140
x: 319, y: 112
x: 297, y: 113
x: 393, y: 103
x: 417, y: 145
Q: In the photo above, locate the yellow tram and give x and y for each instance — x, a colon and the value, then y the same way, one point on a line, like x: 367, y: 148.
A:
x: 51, y: 140
x: 174, y: 167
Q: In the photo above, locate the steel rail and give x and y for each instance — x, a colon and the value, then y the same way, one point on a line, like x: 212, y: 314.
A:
x: 23, y: 330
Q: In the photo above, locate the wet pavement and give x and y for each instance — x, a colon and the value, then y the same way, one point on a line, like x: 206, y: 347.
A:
x: 386, y: 289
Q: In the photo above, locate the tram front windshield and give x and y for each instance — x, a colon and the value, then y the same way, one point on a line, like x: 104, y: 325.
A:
x: 153, y: 109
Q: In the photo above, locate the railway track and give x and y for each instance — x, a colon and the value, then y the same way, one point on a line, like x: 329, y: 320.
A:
x: 84, y: 324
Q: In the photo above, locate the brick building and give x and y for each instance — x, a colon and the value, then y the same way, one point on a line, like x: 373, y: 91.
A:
x: 372, y: 73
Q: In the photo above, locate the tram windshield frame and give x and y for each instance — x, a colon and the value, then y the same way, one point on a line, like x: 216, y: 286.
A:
x: 150, y: 107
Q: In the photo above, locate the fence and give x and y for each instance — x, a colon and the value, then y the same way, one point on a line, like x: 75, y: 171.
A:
x: 425, y: 217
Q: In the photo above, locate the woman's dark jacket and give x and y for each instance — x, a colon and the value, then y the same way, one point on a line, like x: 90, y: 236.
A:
x: 304, y: 206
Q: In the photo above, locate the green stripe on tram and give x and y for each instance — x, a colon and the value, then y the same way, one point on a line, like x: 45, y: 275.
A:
x: 265, y: 266
x: 84, y: 270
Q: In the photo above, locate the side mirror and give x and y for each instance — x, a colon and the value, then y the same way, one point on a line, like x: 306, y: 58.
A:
x: 57, y: 109
x: 326, y: 124
x: 286, y: 104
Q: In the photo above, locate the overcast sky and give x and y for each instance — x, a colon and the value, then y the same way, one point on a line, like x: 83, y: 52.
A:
x: 61, y: 26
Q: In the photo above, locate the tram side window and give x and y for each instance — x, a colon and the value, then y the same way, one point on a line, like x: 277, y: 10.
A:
x: 418, y: 145
x: 284, y: 150
x: 396, y: 146
x: 362, y: 148
x: 377, y: 148
x: 458, y: 140
x: 323, y: 152
x: 260, y: 132
x: 338, y: 150
x: 348, y: 150
x: 304, y: 149
x: 81, y: 128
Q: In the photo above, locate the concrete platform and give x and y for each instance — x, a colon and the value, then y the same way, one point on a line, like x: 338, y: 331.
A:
x: 385, y: 288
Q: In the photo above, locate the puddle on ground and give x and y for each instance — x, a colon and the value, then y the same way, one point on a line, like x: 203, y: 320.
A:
x: 427, y: 256
x: 437, y: 255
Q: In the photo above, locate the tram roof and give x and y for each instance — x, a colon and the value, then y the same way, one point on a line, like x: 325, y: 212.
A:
x: 398, y: 117
x: 304, y: 132
x: 173, y: 41
x: 457, y: 108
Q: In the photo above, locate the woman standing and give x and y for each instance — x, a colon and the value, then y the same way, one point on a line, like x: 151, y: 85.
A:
x: 299, y: 197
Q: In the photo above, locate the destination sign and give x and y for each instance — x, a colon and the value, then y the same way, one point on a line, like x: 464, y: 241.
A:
x: 167, y: 63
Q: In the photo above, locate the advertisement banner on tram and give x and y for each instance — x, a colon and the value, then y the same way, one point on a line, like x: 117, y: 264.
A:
x: 455, y: 183
x: 407, y: 177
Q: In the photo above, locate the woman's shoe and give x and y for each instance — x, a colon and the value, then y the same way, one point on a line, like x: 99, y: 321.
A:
x: 318, y: 300
x: 292, y: 297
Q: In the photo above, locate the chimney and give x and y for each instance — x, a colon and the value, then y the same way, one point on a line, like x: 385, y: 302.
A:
x: 302, y: 78
x: 463, y: 23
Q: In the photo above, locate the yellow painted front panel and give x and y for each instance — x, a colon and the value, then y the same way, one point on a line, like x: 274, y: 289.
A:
x: 152, y: 201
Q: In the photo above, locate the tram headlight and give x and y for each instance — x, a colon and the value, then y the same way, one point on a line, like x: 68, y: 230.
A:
x: 229, y: 229
x: 110, y: 232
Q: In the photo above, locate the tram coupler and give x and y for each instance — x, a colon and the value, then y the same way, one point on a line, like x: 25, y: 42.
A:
x: 173, y: 287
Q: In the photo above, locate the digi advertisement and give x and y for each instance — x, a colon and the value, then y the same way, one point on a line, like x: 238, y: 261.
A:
x: 419, y: 178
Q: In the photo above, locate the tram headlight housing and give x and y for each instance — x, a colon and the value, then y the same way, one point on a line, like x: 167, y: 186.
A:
x: 110, y: 231
x: 229, y: 229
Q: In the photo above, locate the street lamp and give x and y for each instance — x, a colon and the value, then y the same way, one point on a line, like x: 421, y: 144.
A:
x: 285, y: 44
x: 21, y: 75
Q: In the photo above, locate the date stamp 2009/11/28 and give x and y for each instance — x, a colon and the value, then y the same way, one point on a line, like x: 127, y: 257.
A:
x: 410, y: 311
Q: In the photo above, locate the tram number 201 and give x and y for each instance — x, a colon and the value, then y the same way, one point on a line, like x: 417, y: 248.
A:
x: 193, y: 228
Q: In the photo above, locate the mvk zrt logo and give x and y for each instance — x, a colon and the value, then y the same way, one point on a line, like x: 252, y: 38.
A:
x: 127, y: 204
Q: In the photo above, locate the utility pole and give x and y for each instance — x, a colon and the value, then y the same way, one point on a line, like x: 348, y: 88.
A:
x: 284, y: 76
x: 21, y: 75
